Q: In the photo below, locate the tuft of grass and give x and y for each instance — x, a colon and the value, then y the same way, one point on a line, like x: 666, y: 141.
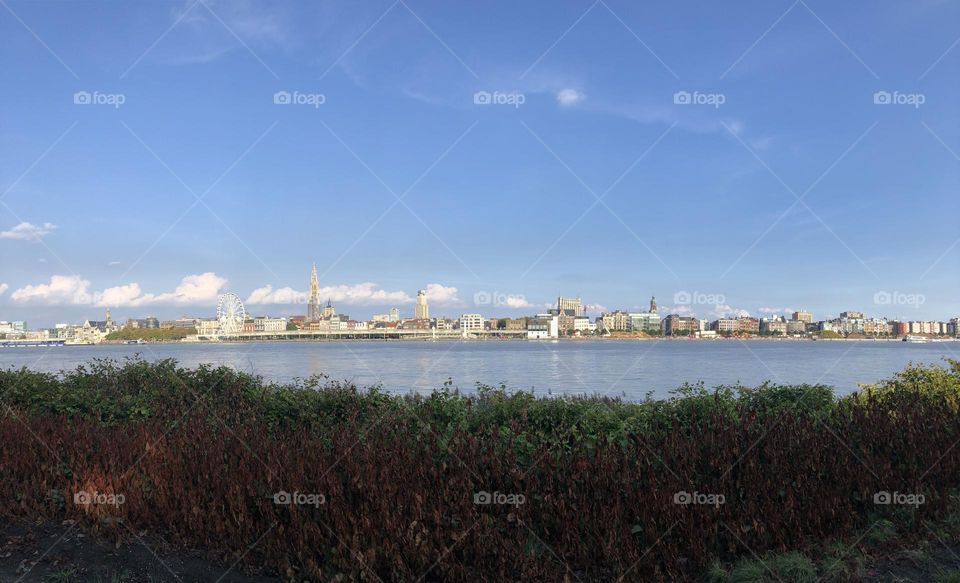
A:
x: 790, y: 567
x: 947, y: 577
x: 881, y: 531
x: 716, y: 573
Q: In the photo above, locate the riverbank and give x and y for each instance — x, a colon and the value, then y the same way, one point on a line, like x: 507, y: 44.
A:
x: 318, y: 480
x: 492, y: 338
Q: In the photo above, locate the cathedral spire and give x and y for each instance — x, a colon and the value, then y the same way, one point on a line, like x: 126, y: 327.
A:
x: 313, y: 300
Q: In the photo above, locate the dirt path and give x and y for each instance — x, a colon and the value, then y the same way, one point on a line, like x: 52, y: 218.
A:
x: 47, y: 553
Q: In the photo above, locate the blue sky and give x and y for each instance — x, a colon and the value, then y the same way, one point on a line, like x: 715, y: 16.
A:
x: 497, y: 200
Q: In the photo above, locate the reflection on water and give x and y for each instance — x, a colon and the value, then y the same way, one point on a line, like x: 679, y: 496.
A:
x: 630, y: 368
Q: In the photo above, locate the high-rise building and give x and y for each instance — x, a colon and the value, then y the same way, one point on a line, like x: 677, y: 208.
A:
x: 422, y: 310
x: 313, y: 300
x: 570, y: 306
x: 394, y: 314
x: 802, y: 316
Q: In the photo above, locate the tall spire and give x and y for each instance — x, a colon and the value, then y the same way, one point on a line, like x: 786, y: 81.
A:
x: 313, y: 300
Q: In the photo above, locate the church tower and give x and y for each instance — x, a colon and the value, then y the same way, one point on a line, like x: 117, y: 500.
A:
x: 313, y: 300
x: 653, y: 304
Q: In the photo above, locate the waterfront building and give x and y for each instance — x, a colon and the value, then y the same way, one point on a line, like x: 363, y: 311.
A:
x: 724, y: 326
x: 471, y: 323
x: 328, y: 311
x: 851, y: 323
x: 677, y: 325
x: 643, y: 321
x: 543, y: 327
x: 796, y: 326
x: 573, y: 305
x: 313, y: 298
x: 748, y: 325
x: 775, y: 325
x: 803, y: 316
x: 183, y: 323
x: 422, y: 311
x: 269, y: 324
x: 517, y: 324
x: 616, y: 321
x: 583, y: 324
x: 12, y: 327
x: 394, y: 314
x: 876, y: 327
x: 148, y: 323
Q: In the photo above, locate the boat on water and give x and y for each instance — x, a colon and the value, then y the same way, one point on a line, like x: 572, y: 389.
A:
x: 913, y: 339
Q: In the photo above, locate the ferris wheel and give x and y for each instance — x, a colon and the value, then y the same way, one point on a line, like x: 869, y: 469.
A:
x: 230, y: 314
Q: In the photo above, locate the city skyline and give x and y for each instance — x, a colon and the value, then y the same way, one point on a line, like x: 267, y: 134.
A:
x: 778, y: 156
x: 364, y: 302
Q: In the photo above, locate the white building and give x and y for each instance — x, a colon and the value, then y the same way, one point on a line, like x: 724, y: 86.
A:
x: 543, y: 327
x: 583, y: 324
x: 471, y: 323
x: 269, y: 324
x: 422, y: 311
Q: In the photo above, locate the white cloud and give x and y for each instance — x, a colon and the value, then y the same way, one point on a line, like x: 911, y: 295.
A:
x: 772, y: 311
x: 517, y: 302
x: 569, y: 97
x: 442, y: 295
x: 62, y: 289
x: 682, y: 310
x: 352, y: 295
x: 725, y: 311
x: 113, y: 263
x: 121, y: 295
x: 72, y: 289
x: 594, y: 309
x: 3, y: 287
x: 267, y: 295
x: 28, y: 231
